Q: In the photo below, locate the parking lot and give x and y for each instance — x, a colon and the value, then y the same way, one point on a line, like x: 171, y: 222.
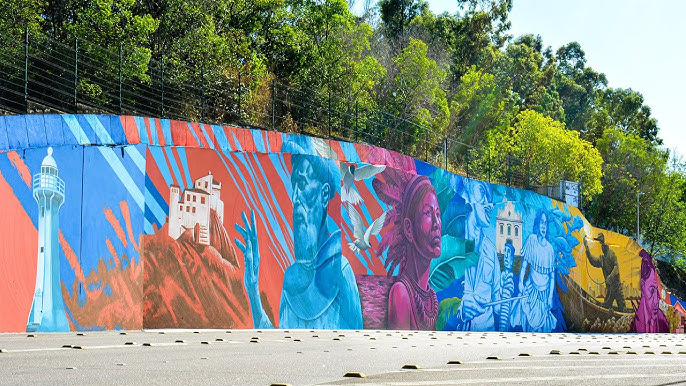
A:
x: 163, y: 357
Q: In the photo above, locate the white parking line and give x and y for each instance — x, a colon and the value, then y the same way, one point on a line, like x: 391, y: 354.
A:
x: 563, y: 378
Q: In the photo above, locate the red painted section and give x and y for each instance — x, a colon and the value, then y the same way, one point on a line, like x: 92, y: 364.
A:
x: 179, y: 133
x: 22, y: 169
x: 169, y: 166
x: 148, y: 131
x: 177, y: 159
x: 274, y: 141
x: 245, y: 139
x: 198, y: 133
x: 124, y: 206
x: 18, y: 257
x: 71, y: 258
x: 154, y: 174
x: 114, y: 222
x: 210, y: 134
x: 130, y: 129
x: 160, y: 132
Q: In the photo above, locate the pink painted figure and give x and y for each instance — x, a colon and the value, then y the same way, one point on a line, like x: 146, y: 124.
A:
x: 413, y: 240
x: 381, y: 156
x: 649, y: 317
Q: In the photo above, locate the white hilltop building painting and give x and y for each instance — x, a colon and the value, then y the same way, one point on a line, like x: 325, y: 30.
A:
x: 508, y: 228
x: 191, y: 209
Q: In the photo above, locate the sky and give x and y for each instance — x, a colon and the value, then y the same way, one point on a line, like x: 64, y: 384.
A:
x: 636, y: 44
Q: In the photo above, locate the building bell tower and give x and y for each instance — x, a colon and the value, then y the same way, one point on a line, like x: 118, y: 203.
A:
x: 47, y: 310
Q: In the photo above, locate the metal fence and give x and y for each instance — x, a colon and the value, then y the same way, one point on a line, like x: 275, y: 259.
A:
x: 40, y: 75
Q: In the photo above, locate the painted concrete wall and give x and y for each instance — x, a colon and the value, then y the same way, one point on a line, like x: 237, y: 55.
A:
x: 293, y: 232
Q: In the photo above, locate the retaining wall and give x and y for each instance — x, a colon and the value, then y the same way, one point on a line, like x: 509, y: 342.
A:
x: 168, y: 224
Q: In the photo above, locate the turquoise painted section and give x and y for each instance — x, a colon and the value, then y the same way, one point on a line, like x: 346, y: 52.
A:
x: 47, y: 309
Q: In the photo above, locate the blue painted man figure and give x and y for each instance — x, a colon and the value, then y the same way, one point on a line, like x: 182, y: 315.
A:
x: 319, y: 289
x: 507, y: 285
x: 484, y: 290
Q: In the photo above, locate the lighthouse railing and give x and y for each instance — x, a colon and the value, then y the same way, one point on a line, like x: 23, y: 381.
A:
x: 48, y: 182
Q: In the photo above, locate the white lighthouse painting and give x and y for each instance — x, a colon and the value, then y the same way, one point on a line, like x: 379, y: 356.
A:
x: 47, y: 309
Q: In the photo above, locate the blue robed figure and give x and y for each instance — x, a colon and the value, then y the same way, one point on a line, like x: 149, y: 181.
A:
x: 319, y: 289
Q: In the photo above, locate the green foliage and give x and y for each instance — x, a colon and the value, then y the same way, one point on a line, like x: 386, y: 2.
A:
x: 333, y: 50
x: 479, y: 104
x: 638, y: 173
x: 578, y: 87
x: 664, y: 224
x: 540, y: 140
x: 447, y: 309
x: 18, y: 15
x: 631, y: 165
x: 101, y: 26
x: 417, y: 86
x: 396, y: 15
x: 624, y: 109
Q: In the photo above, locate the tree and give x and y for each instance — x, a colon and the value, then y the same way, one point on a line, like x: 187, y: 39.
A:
x: 543, y: 142
x: 664, y: 230
x: 333, y: 47
x: 472, y: 35
x: 528, y: 71
x: 417, y: 92
x: 18, y: 15
x: 577, y: 87
x: 636, y: 166
x: 396, y: 16
x: 481, y: 103
x: 632, y: 165
x: 624, y: 109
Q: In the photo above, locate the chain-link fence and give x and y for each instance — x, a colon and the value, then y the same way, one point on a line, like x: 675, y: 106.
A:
x: 40, y: 75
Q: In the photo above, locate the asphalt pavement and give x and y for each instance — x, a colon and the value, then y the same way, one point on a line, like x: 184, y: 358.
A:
x: 300, y: 357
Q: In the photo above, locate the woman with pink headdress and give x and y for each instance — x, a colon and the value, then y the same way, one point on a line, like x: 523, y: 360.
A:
x: 413, y: 239
x: 648, y: 316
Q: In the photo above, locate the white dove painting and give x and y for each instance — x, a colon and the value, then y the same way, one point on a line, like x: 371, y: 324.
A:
x: 360, y: 234
x: 349, y: 173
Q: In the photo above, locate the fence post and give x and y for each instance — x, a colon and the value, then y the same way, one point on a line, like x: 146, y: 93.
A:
x: 509, y: 175
x: 563, y: 188
x: 404, y: 129
x: 162, y: 83
x: 466, y: 158
x: 380, y: 125
x: 120, y: 76
x: 76, y: 74
x: 240, y: 101
x: 202, y: 93
x: 488, y: 165
x: 329, y: 114
x: 426, y: 145
x: 346, y: 121
x: 445, y: 153
x: 302, y: 109
x: 356, y: 123
x: 26, y: 70
x: 273, y: 102
x: 528, y: 176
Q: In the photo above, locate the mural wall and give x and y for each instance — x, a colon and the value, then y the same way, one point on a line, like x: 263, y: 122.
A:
x: 118, y: 222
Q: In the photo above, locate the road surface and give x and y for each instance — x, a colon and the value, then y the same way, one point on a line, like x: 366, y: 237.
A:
x: 165, y: 357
